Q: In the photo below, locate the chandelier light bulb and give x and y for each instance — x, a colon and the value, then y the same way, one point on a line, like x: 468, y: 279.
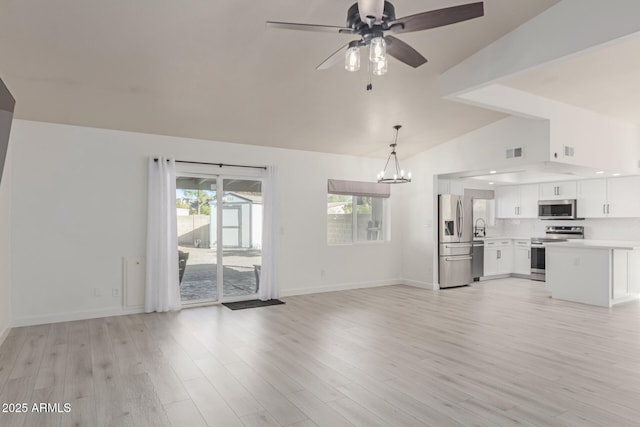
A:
x: 402, y: 173
x: 352, y: 59
x: 409, y: 175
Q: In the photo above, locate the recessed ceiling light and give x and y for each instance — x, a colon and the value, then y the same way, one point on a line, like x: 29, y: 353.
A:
x: 600, y: 172
x: 493, y: 171
x: 491, y: 183
x: 616, y: 174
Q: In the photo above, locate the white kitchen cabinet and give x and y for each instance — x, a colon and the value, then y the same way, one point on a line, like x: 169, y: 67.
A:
x: 450, y: 186
x: 558, y: 190
x: 593, y: 273
x: 517, y: 201
x: 498, y: 257
x: 592, y: 198
x: 609, y: 198
x: 622, y: 197
x: 507, y: 200
x: 522, y: 257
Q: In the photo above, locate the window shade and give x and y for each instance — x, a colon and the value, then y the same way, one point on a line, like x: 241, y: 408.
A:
x: 358, y: 188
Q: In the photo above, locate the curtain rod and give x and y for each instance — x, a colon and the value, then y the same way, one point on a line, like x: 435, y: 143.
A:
x: 218, y: 164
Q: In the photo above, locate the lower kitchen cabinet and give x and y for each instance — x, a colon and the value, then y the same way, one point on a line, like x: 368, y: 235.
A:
x: 522, y: 257
x: 498, y: 257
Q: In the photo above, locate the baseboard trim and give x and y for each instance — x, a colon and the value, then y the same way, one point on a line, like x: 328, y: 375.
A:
x: 4, y: 334
x: 121, y: 311
x: 340, y: 287
x: 420, y: 284
x: 76, y: 315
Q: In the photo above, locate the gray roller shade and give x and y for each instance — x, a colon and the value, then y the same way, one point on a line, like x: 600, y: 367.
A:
x: 358, y: 188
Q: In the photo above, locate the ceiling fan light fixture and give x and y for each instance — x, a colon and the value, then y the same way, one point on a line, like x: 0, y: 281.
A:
x: 377, y: 50
x: 380, y: 67
x: 352, y: 59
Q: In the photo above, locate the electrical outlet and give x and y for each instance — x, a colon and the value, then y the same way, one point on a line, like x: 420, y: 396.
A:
x: 115, y: 292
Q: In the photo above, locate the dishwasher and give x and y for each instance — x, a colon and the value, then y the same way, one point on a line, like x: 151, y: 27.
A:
x: 477, y: 268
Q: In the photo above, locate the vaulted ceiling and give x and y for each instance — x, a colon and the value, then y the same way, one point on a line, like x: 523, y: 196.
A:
x: 212, y: 70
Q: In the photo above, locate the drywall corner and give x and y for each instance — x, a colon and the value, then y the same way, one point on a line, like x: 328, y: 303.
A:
x: 5, y: 250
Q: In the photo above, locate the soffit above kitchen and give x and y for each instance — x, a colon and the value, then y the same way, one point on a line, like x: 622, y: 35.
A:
x: 604, y: 80
x: 212, y: 70
x: 531, y: 173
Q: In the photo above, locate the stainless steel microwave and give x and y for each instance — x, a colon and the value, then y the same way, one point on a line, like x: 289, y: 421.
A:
x: 557, y: 209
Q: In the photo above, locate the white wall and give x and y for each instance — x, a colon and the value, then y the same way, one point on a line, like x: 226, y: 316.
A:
x: 5, y: 247
x: 483, y: 149
x: 79, y: 206
x: 599, y: 142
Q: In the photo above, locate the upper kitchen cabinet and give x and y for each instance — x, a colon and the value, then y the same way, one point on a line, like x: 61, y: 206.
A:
x: 450, y: 186
x: 558, y: 190
x: 609, y: 198
x: 517, y: 201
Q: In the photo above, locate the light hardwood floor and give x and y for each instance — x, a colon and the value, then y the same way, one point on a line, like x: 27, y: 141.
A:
x: 496, y: 353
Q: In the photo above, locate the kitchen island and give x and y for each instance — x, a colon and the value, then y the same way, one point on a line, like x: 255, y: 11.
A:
x: 596, y: 272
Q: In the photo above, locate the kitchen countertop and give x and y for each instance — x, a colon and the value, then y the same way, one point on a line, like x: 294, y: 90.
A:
x: 597, y: 244
x: 502, y: 237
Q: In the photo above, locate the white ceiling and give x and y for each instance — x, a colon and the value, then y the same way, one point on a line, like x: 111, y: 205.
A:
x: 211, y: 70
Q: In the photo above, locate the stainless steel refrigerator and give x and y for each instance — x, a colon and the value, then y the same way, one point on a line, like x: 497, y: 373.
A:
x: 455, y: 238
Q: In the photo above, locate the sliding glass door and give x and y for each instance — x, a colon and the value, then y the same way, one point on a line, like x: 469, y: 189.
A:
x: 197, y: 250
x: 219, y: 237
x: 242, y: 211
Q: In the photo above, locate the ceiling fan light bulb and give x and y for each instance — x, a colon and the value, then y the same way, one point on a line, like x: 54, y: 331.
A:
x: 377, y: 50
x: 380, y: 67
x: 352, y: 59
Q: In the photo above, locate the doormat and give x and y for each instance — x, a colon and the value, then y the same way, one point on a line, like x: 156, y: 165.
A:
x: 241, y: 305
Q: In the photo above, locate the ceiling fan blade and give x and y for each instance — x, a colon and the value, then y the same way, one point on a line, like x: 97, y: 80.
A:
x: 438, y: 18
x: 374, y: 8
x: 403, y: 52
x: 334, y: 58
x: 309, y: 27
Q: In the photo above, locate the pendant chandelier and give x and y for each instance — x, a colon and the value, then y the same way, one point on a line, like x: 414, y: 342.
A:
x: 396, y: 175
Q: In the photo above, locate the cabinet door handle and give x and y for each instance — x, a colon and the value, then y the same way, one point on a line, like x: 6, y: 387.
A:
x: 604, y: 209
x: 499, y: 254
x: 607, y: 207
x: 529, y: 254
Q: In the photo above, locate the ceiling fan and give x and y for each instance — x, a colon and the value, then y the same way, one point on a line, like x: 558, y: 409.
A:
x: 371, y: 19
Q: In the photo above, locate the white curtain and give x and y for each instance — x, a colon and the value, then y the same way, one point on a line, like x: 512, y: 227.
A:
x: 268, y: 277
x: 162, y: 290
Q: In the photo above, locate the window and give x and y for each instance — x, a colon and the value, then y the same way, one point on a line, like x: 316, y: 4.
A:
x: 355, y: 217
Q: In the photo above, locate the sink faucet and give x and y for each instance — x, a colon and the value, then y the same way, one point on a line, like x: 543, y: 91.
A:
x: 479, y: 231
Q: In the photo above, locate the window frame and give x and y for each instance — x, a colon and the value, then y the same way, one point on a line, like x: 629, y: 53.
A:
x: 386, y: 234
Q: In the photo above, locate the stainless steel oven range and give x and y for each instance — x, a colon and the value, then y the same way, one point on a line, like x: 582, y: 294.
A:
x: 553, y: 233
